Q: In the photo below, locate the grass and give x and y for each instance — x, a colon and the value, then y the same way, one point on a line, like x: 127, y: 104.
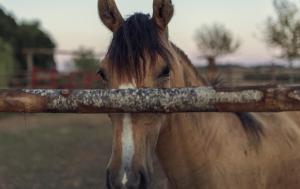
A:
x: 53, y: 155
x: 61, y: 151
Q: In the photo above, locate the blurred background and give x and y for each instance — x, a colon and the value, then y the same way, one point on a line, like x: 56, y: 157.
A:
x: 58, y: 44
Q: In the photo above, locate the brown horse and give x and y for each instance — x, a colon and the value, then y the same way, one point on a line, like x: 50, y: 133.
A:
x: 196, y: 150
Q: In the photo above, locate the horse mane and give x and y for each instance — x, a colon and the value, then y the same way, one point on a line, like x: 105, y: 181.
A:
x: 137, y: 36
x: 252, y: 127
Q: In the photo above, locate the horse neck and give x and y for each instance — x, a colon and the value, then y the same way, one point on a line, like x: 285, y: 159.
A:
x: 185, y: 136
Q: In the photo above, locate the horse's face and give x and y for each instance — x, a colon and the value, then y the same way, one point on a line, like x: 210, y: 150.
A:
x: 134, y: 135
x: 147, y: 66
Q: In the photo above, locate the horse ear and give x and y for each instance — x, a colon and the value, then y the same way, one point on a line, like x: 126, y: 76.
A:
x: 163, y: 11
x: 110, y: 15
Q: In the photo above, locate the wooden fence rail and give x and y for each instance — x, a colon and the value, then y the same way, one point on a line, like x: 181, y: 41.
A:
x: 203, y: 99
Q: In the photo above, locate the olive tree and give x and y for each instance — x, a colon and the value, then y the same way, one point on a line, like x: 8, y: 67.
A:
x: 213, y: 42
x: 282, y: 32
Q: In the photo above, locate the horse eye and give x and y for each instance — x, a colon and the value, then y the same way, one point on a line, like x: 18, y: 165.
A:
x: 165, y: 72
x: 102, y: 74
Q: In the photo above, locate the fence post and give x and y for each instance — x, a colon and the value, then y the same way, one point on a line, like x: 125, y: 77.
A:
x: 30, y: 65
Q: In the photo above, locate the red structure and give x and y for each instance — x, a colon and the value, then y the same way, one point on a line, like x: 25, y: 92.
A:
x: 51, y: 78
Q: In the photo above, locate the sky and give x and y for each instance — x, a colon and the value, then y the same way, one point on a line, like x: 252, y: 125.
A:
x: 74, y: 23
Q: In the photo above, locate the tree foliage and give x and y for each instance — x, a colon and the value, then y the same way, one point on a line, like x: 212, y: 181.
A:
x: 7, y: 63
x: 30, y: 35
x: 8, y: 28
x: 283, y: 31
x: 25, y: 35
x: 85, y: 59
x: 215, y: 40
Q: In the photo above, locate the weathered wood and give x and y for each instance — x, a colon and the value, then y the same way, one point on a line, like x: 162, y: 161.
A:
x: 203, y: 99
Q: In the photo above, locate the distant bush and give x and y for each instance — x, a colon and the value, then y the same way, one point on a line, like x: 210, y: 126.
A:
x: 7, y: 63
x: 86, y: 60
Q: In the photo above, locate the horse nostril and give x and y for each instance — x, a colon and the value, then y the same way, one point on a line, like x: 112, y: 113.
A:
x: 108, y: 180
x: 137, y: 180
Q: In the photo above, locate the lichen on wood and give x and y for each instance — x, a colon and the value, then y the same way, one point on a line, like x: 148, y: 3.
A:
x: 295, y: 95
x: 202, y: 99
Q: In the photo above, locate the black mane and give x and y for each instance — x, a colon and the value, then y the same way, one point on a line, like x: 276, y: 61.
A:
x: 135, y: 39
x: 252, y: 126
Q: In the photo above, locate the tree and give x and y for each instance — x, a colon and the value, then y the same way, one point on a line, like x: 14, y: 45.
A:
x: 215, y: 41
x: 30, y: 35
x: 26, y: 35
x: 7, y: 63
x: 8, y: 28
x: 85, y: 59
x: 283, y: 31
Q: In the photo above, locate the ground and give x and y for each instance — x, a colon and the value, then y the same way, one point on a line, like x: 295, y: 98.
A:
x: 47, y: 151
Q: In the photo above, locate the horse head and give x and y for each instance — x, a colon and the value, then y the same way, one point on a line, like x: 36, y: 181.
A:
x: 140, y: 56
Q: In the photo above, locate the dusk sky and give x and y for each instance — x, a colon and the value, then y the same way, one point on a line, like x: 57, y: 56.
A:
x: 74, y: 23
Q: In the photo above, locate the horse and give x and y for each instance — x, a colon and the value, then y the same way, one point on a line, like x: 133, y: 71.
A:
x: 195, y: 150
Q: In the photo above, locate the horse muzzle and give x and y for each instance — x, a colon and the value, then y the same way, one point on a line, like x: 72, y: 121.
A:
x: 128, y: 180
